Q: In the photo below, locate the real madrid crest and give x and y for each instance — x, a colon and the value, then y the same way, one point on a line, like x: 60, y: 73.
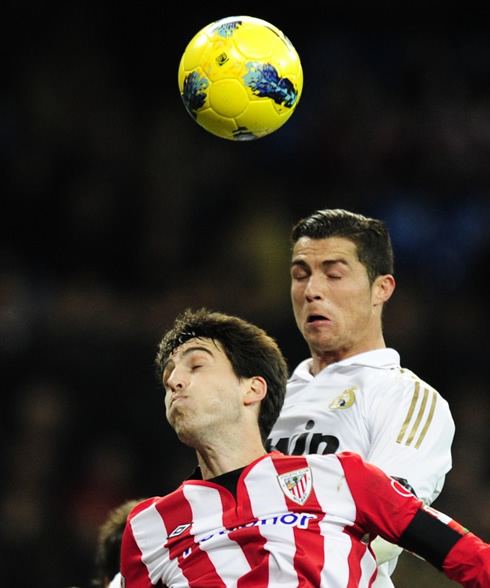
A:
x: 345, y: 400
x: 296, y: 485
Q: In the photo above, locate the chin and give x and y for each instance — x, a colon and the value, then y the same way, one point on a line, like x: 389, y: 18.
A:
x: 188, y: 437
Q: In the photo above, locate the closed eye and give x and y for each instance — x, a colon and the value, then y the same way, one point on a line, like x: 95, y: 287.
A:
x: 299, y: 273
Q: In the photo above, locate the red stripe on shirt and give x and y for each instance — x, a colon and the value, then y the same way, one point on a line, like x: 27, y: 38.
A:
x: 194, y: 561
x: 310, y: 554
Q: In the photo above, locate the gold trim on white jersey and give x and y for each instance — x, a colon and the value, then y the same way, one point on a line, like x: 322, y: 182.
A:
x: 422, y: 419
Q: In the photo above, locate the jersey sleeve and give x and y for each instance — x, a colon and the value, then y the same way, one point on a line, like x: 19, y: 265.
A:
x: 384, y: 506
x: 469, y: 562
x: 411, y: 435
x: 133, y: 570
x: 459, y: 554
x: 388, y: 509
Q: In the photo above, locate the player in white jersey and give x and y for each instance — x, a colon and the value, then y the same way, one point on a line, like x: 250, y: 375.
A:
x: 373, y: 407
x: 352, y: 393
x: 252, y: 519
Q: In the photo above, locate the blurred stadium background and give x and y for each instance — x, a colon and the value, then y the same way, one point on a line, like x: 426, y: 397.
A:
x: 117, y: 211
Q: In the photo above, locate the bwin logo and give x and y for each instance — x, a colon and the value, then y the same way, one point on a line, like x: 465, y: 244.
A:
x: 305, y: 443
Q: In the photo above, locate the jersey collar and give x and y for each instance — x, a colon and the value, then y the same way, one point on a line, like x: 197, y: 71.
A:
x: 386, y: 358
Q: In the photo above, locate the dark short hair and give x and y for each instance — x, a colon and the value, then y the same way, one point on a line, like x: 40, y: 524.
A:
x: 250, y: 350
x: 108, y: 551
x: 370, y: 236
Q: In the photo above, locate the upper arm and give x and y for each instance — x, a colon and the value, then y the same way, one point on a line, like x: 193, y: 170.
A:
x: 412, y: 432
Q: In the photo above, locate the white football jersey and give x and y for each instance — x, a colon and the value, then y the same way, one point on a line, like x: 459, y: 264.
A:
x: 369, y: 404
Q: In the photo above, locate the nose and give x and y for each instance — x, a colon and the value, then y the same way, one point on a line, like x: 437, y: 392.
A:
x: 313, y: 289
x: 176, y: 380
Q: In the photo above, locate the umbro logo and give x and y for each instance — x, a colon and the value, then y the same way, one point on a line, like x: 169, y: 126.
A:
x: 179, y: 530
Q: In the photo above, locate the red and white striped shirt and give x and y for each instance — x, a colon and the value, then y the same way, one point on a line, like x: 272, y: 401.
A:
x: 302, y: 521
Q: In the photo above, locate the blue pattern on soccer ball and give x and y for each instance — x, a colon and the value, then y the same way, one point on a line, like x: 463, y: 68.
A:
x: 264, y: 81
x: 226, y: 30
x: 194, y: 92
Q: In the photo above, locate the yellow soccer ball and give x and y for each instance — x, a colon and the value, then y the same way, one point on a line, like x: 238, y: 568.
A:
x: 240, y: 78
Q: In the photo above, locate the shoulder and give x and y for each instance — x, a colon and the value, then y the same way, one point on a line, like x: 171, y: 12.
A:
x: 382, y: 374
x: 369, y: 476
x: 150, y: 506
x: 405, y: 386
x: 398, y: 395
x: 142, y: 506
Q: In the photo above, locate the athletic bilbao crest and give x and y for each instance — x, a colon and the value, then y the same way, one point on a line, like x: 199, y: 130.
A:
x: 296, y: 485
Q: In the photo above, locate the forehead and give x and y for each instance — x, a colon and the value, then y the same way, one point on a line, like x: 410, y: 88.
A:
x: 328, y: 248
x: 204, y: 344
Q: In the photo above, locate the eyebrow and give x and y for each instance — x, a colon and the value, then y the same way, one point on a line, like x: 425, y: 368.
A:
x: 326, y: 263
x: 170, y: 361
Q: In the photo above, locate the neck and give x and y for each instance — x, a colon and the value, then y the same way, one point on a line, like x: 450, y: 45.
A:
x: 215, y: 461
x: 324, y: 358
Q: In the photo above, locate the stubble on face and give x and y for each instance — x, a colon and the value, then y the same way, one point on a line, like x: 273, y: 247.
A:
x: 209, y: 403
x: 331, y: 297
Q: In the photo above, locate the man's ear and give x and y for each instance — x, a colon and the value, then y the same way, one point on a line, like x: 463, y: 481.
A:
x: 256, y: 391
x: 383, y: 288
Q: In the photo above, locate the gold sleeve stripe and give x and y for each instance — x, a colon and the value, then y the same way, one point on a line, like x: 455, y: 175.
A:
x: 403, y: 430
x: 419, y: 420
x: 428, y: 421
x: 416, y: 424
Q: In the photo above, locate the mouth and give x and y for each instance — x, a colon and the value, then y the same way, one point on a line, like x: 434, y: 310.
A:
x: 316, y: 319
x: 176, y: 398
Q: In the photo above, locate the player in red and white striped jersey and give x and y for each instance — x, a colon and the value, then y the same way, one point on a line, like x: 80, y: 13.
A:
x: 352, y: 394
x: 252, y: 519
